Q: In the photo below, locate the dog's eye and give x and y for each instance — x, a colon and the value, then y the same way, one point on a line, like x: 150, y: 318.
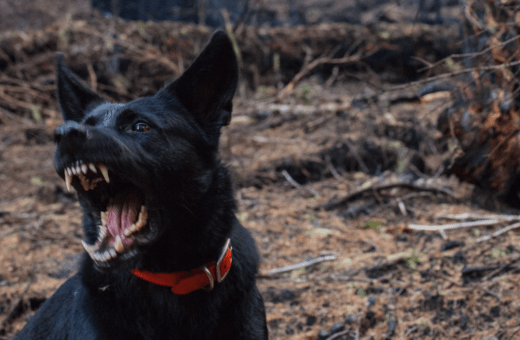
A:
x: 141, y: 127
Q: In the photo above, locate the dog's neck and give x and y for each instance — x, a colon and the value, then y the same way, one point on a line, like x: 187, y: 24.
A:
x: 197, y: 232
x: 204, y: 276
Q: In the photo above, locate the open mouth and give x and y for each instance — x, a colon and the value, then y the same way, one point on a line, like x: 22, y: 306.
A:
x: 123, y: 215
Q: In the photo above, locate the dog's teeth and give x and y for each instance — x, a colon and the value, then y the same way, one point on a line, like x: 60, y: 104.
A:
x: 128, y: 231
x: 92, y: 168
x: 103, y: 218
x: 104, y: 171
x: 91, y: 250
x: 68, y: 171
x: 84, y: 169
x: 141, y: 221
x: 118, y: 244
x: 68, y: 180
x: 73, y: 169
x: 78, y: 169
x: 87, y: 247
x: 113, y: 253
x: 102, y: 232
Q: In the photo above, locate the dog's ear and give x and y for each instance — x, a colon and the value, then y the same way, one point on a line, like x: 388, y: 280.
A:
x: 207, y: 87
x: 74, y: 97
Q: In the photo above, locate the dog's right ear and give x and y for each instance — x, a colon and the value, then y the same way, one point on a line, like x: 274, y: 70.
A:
x: 207, y: 87
x: 74, y: 97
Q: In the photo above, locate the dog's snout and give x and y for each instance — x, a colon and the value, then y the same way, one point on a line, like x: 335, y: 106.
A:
x: 70, y: 130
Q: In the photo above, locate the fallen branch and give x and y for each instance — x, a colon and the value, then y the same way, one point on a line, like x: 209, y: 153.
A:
x: 475, y: 216
x: 307, y: 68
x: 299, y: 265
x: 498, y: 232
x: 298, y: 185
x: 500, y: 44
x: 336, y: 203
x: 452, y: 74
x: 453, y: 225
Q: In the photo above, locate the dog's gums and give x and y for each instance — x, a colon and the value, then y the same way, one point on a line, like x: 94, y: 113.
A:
x: 81, y: 170
x: 122, y: 218
x: 110, y: 243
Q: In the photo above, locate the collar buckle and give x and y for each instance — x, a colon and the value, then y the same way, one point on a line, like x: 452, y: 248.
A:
x: 220, y: 277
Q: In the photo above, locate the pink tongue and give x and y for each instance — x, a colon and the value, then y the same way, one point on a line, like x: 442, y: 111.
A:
x: 122, y: 212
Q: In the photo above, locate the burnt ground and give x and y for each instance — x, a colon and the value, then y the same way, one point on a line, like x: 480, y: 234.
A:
x: 329, y: 170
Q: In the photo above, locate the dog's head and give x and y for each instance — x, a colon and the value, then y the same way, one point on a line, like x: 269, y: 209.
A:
x: 133, y: 164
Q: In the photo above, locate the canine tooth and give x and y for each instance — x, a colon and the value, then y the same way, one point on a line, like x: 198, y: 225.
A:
x: 68, y: 180
x: 104, y: 171
x: 103, y: 218
x: 68, y: 171
x: 118, y: 244
x: 128, y: 231
x: 141, y: 221
x: 84, y: 168
x: 92, y: 168
x: 87, y: 247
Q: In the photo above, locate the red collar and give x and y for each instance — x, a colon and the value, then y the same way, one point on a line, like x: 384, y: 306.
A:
x: 185, y: 282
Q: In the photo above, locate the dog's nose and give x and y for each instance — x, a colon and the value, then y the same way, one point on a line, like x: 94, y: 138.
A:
x: 70, y: 129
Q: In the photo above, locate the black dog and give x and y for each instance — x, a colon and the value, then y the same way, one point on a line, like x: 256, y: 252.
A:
x: 165, y: 255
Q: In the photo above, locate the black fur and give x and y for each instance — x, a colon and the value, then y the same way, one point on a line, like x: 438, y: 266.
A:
x: 175, y: 165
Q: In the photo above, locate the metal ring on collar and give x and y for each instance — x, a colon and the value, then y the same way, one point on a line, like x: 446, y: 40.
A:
x: 210, y: 278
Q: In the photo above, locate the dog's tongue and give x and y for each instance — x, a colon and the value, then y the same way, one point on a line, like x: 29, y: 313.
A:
x: 122, y: 212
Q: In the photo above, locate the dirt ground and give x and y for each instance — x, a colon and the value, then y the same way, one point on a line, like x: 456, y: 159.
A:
x: 327, y: 174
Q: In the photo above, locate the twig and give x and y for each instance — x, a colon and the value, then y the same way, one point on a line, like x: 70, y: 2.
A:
x: 453, y: 225
x: 229, y: 30
x: 317, y: 62
x: 93, y: 77
x: 465, y: 55
x: 396, y: 201
x: 498, y: 232
x: 299, y: 265
x: 332, y: 169
x: 502, y: 142
x: 451, y: 74
x: 501, y: 268
x: 358, y: 158
x: 474, y: 216
x: 336, y: 203
x: 298, y: 185
x: 337, y: 335
x: 146, y: 54
x: 13, y: 102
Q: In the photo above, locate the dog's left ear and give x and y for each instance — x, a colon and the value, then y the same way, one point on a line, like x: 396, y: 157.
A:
x: 207, y: 87
x: 74, y: 97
